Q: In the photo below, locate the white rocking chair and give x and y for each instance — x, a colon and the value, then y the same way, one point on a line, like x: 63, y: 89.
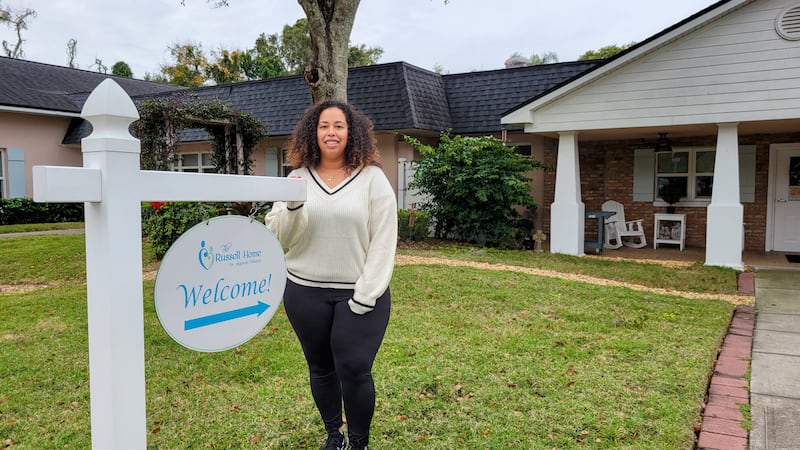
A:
x: 619, y: 232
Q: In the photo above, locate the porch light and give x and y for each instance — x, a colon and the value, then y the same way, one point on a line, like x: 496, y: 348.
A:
x: 663, y: 144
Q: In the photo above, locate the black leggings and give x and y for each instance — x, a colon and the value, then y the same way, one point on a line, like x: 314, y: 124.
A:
x: 340, y: 347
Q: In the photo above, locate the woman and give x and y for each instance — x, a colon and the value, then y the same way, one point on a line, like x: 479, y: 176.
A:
x: 341, y: 245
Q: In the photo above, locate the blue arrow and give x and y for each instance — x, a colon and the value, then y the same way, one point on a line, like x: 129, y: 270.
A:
x: 222, y: 317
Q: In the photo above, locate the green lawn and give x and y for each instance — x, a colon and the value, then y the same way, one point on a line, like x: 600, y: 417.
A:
x: 472, y: 359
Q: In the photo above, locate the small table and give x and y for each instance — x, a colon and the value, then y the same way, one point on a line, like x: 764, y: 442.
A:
x: 601, y: 217
x: 669, y: 229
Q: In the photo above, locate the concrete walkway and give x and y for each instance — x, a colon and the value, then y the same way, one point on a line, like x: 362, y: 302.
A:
x: 775, y: 376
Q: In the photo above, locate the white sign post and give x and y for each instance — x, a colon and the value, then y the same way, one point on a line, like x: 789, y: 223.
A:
x: 112, y: 187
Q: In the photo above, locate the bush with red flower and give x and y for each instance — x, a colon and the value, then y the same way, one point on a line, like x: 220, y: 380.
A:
x: 164, y: 222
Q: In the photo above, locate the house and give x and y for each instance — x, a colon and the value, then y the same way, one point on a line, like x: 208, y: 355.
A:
x: 723, y: 88
x: 38, y: 104
x: 708, y: 104
x: 400, y: 98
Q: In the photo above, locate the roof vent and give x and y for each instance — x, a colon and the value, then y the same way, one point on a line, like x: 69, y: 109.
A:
x: 788, y: 23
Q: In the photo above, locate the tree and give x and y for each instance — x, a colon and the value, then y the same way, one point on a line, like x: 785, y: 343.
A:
x: 325, y: 66
x: 190, y: 65
x: 256, y: 67
x: 18, y: 21
x: 121, y: 69
x: 72, y: 52
x: 362, y: 56
x: 272, y: 56
x: 473, y: 185
x: 605, y: 52
x: 290, y: 48
x: 536, y: 59
x: 293, y: 43
x: 329, y: 25
x: 544, y: 58
x: 156, y: 77
x: 98, y: 63
x: 227, y: 67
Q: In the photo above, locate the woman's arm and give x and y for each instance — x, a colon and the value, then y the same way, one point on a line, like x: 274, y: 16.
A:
x: 379, y: 264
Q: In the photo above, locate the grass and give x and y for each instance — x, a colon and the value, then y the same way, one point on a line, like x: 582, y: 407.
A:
x: 472, y: 359
x: 695, y: 278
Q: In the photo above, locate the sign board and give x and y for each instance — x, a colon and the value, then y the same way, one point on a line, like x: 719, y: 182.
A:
x: 220, y: 283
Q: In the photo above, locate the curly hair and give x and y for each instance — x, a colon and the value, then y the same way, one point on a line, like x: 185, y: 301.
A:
x: 361, y: 149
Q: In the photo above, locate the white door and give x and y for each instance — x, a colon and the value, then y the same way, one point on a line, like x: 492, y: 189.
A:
x: 786, y: 211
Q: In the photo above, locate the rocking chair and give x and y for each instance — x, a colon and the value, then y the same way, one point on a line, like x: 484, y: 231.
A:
x: 620, y: 232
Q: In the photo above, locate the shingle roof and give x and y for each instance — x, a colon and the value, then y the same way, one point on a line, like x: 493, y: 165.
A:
x: 400, y: 96
x: 27, y: 84
x: 396, y: 96
x: 479, y: 99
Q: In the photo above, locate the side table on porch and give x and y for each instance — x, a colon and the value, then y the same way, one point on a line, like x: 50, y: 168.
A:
x: 601, y: 216
x: 669, y: 229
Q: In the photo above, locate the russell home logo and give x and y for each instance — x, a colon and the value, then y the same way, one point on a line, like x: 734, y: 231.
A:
x: 206, y: 256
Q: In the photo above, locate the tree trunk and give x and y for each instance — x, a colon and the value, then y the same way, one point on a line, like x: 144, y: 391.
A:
x: 329, y: 25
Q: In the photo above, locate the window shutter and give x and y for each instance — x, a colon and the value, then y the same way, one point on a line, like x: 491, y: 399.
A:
x: 644, y: 173
x: 747, y: 173
x: 16, y: 173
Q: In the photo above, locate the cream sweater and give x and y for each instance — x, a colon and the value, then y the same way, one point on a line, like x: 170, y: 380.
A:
x: 343, y: 238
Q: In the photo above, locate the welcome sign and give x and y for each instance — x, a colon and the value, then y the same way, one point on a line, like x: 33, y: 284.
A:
x: 220, y: 283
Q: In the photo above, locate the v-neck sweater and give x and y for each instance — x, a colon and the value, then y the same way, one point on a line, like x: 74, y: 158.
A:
x: 343, y: 237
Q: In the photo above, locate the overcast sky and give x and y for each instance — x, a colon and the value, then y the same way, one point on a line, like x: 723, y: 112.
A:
x: 462, y: 36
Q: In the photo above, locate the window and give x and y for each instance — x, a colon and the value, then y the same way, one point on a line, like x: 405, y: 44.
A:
x: 195, y: 162
x: 286, y: 167
x: 794, y: 178
x: 689, y: 171
x: 2, y: 173
x: 525, y: 150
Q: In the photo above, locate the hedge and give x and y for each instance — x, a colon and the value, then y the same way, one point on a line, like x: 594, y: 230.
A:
x: 14, y: 211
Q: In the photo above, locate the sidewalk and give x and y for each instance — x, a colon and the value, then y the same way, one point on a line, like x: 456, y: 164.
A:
x: 766, y: 340
x: 775, y: 379
x: 31, y: 233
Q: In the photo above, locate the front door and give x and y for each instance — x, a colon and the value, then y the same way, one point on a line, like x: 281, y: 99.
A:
x: 786, y: 210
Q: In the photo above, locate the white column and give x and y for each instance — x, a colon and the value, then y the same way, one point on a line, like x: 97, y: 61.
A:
x: 567, y: 220
x: 725, y: 214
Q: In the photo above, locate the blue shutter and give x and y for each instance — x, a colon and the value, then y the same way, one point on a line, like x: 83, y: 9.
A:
x: 747, y: 173
x: 16, y: 172
x: 644, y: 173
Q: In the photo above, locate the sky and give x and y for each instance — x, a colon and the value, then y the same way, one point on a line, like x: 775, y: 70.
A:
x: 461, y: 36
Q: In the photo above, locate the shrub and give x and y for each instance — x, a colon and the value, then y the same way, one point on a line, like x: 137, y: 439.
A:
x: 417, y: 229
x: 472, y: 186
x: 164, y: 223
x: 15, y: 211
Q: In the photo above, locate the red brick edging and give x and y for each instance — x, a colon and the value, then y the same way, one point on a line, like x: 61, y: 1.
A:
x: 722, y: 420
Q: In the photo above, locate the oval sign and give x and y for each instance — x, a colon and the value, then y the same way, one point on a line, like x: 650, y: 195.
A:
x: 220, y: 283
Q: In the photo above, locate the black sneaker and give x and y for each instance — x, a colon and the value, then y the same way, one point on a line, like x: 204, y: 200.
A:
x: 336, y: 441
